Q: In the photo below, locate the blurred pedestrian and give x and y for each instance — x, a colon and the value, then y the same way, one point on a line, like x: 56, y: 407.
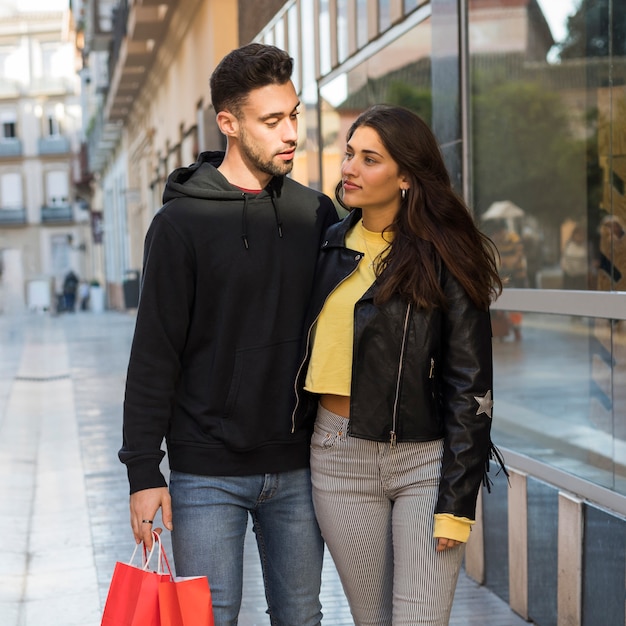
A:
x: 511, y: 264
x: 228, y: 271
x: 574, y: 260
x: 399, y: 374
x: 70, y: 287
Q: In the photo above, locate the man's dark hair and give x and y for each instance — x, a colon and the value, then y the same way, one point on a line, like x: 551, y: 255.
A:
x: 244, y: 69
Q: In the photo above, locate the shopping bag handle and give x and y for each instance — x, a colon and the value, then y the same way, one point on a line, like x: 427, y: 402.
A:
x: 146, y: 555
x: 163, y: 564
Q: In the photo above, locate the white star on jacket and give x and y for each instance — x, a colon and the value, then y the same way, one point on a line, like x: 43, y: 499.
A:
x: 485, y: 404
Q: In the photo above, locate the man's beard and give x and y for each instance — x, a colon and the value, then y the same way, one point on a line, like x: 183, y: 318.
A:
x: 267, y: 166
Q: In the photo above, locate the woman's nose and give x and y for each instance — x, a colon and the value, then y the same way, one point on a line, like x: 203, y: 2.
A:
x: 347, y: 168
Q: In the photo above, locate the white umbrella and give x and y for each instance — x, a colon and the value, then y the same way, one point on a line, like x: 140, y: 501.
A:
x: 502, y: 210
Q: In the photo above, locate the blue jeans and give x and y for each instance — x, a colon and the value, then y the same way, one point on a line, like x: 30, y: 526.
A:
x: 210, y: 515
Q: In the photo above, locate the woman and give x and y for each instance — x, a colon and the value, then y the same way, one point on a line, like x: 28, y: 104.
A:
x: 399, y: 374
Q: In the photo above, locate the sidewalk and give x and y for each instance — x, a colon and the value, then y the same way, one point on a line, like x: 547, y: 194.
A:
x: 65, y: 495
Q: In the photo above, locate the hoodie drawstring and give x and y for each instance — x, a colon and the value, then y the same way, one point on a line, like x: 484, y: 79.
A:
x: 244, y: 219
x: 244, y: 222
x: 279, y: 222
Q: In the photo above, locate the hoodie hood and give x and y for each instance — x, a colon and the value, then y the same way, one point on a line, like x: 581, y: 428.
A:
x: 202, y: 180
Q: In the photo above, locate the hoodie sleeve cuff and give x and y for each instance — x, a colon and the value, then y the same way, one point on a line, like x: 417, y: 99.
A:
x: 145, y: 477
x: 452, y: 527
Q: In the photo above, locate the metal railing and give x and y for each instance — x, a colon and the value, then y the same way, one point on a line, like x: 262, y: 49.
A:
x: 54, y: 144
x: 10, y: 147
x: 57, y: 214
x: 12, y: 217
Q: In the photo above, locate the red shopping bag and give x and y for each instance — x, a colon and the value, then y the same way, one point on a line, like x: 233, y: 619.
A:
x: 133, y: 598
x: 184, y: 601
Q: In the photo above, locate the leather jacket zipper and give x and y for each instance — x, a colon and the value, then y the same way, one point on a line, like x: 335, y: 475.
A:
x: 394, y: 418
x: 308, y: 345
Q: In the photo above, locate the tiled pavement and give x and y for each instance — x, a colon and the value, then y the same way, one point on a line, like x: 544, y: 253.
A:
x: 64, y: 494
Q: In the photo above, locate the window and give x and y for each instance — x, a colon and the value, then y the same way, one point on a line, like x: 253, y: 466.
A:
x: 60, y: 253
x: 53, y: 119
x: 57, y: 188
x: 53, y: 128
x: 8, y: 130
x: 11, y: 191
x: 4, y: 61
x: 8, y: 122
x: 51, y: 60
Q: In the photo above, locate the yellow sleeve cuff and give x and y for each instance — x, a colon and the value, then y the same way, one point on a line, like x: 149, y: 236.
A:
x: 452, y: 527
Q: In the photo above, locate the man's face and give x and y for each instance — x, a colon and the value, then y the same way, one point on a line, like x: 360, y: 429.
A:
x: 268, y: 129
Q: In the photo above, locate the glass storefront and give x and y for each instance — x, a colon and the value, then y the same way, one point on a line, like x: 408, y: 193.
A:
x: 548, y: 163
x: 548, y: 123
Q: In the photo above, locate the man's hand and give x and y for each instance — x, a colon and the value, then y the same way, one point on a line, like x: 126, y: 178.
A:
x: 144, y: 505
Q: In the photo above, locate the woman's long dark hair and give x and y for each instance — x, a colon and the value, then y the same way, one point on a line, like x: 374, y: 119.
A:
x: 433, y: 221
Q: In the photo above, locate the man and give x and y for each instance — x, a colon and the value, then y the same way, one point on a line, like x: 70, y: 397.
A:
x: 228, y: 269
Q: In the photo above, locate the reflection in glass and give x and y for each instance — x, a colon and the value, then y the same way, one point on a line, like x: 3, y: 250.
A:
x: 553, y: 398
x: 549, y: 136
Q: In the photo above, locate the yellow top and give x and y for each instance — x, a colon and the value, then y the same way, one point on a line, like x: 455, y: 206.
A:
x: 330, y: 367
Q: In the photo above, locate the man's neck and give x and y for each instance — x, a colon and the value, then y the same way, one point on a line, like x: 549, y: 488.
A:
x: 237, y: 173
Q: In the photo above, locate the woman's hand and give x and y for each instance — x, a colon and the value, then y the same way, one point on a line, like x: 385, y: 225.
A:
x: 446, y: 544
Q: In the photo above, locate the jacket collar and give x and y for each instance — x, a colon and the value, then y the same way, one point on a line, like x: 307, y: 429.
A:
x: 336, y: 234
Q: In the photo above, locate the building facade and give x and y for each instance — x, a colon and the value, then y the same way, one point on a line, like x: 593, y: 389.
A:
x: 44, y: 216
x: 531, y: 117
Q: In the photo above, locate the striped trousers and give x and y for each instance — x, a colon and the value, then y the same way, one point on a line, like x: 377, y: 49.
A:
x: 375, y: 507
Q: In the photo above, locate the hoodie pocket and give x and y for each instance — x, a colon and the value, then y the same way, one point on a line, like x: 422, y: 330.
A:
x: 261, y: 398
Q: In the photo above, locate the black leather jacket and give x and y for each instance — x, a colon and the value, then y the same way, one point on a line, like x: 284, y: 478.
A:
x: 417, y: 375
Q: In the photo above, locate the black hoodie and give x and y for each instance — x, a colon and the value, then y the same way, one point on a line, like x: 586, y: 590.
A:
x: 226, y: 282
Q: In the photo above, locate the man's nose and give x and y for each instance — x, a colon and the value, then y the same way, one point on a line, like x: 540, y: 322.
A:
x: 290, y: 130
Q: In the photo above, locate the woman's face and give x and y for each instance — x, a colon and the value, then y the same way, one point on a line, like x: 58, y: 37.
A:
x: 369, y: 176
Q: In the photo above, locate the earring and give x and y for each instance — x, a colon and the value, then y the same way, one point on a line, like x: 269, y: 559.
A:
x: 403, y: 193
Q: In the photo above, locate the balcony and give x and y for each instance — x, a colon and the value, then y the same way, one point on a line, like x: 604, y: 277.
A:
x: 10, y: 88
x: 10, y: 147
x: 102, y: 137
x: 57, y: 214
x: 137, y: 31
x: 52, y: 86
x: 12, y: 217
x: 53, y: 144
